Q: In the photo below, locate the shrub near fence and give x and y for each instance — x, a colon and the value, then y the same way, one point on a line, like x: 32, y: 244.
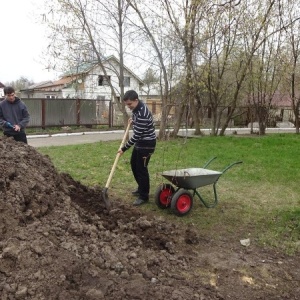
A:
x: 69, y: 112
x: 243, y: 115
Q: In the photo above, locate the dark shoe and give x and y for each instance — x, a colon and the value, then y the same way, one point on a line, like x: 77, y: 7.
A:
x: 139, y: 201
x: 135, y: 192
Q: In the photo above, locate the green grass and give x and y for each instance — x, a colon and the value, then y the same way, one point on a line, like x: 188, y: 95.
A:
x: 258, y: 198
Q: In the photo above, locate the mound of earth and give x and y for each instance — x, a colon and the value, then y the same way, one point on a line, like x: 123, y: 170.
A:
x: 57, y: 241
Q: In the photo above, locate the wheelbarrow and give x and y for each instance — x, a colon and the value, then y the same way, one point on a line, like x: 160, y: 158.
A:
x: 186, y: 182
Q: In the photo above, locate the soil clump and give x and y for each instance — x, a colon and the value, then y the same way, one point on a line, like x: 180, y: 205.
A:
x: 57, y: 241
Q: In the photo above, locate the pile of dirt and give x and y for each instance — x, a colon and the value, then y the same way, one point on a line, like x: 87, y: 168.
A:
x: 57, y: 241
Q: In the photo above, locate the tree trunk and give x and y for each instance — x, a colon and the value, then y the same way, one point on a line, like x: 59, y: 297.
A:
x: 179, y: 115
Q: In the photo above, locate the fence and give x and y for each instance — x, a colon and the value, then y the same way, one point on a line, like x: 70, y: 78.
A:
x: 241, y: 117
x: 68, y: 112
x: 88, y: 112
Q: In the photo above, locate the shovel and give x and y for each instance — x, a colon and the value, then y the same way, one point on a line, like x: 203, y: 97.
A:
x: 104, y: 192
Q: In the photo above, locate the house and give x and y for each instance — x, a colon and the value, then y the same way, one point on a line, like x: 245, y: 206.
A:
x: 2, y: 86
x: 44, y: 89
x: 86, y: 81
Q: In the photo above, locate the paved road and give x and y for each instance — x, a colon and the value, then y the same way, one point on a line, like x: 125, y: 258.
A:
x: 73, y: 138
x: 93, y: 137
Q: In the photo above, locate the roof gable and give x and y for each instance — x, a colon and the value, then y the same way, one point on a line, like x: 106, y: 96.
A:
x: 46, y: 85
x: 87, y: 67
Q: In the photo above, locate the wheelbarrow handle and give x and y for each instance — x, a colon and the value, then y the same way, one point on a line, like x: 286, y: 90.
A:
x: 231, y: 165
x: 209, y: 162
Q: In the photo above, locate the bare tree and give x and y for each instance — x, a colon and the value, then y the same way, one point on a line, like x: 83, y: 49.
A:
x: 155, y: 42
x: 205, y: 48
x: 85, y: 31
x: 221, y: 61
x: 185, y: 18
x: 151, y: 80
x: 20, y: 83
x: 289, y: 18
x: 253, y: 37
x: 265, y: 73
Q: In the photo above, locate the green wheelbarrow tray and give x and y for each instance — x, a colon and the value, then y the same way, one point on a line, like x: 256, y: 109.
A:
x: 193, y: 178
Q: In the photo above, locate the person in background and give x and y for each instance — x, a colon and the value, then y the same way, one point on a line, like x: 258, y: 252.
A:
x: 14, y: 115
x: 144, y: 141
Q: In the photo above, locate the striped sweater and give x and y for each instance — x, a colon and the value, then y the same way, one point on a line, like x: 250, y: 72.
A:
x: 144, y: 136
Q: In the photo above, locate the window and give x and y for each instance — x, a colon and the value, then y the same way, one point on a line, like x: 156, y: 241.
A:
x: 50, y: 97
x: 103, y: 80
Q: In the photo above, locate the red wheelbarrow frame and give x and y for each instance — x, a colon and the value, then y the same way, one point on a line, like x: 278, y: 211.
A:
x: 185, y: 180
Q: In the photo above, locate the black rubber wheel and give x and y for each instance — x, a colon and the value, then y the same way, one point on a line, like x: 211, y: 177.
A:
x: 182, y: 202
x: 163, y: 195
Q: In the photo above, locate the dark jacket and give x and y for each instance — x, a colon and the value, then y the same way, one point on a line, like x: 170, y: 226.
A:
x: 144, y: 136
x: 15, y: 113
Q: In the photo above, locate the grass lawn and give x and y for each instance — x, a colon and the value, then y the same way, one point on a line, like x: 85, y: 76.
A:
x: 258, y: 199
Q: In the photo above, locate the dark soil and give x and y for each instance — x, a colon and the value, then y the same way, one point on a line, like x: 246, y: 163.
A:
x: 57, y: 241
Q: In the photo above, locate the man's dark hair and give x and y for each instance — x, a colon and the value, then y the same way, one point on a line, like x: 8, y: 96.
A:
x: 131, y: 95
x: 8, y: 90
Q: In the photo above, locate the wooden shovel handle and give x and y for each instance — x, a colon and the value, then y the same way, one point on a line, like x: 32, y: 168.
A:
x: 117, y: 158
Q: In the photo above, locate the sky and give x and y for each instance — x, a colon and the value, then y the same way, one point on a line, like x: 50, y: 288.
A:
x: 23, y: 42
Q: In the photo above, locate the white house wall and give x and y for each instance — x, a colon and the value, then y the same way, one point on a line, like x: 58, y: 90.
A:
x: 93, y: 91
x: 71, y: 93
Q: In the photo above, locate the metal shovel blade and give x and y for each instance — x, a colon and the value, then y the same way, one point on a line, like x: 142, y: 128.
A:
x: 105, y: 199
